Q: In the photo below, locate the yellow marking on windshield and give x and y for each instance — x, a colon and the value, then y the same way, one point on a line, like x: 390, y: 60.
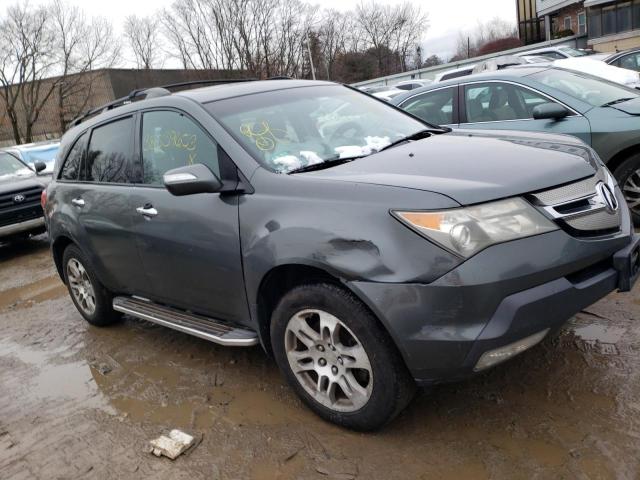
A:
x: 266, y: 138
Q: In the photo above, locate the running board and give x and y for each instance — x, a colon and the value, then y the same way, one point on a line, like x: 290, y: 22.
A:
x: 196, y: 325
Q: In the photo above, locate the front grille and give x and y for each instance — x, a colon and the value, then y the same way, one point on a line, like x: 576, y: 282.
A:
x: 573, y: 191
x: 31, y: 195
x: 15, y: 212
x: 579, y: 207
x: 599, y: 221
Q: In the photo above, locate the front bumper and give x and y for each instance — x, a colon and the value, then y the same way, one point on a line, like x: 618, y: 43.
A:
x: 22, y: 227
x: 502, y: 295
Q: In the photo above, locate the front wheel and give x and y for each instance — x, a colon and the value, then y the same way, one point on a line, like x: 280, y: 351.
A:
x: 628, y: 177
x: 338, y: 358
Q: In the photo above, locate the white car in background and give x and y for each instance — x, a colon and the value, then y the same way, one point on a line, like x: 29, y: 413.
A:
x: 556, y: 53
x: 598, y: 68
x: 590, y: 65
x: 454, y: 73
x: 412, y: 84
x: 389, y: 94
x: 30, y: 153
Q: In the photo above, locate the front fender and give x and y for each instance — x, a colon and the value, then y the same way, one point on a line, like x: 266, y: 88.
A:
x: 343, y: 229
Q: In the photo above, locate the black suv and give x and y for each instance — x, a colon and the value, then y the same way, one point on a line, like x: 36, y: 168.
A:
x: 20, y: 194
x: 367, y: 250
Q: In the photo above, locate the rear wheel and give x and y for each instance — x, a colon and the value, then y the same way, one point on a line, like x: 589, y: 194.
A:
x: 91, y: 298
x: 337, y: 357
x: 628, y: 176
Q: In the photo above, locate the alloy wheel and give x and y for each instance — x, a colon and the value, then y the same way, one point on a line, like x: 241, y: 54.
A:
x: 631, y: 191
x: 328, y: 360
x: 81, y: 287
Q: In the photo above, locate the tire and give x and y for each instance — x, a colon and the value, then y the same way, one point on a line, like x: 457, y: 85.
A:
x: 384, y: 386
x: 628, y: 177
x: 80, y: 277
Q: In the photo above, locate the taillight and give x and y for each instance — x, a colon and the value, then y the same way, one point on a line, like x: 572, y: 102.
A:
x: 43, y: 198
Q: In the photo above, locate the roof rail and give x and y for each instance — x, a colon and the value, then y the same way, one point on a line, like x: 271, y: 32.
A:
x: 151, y: 92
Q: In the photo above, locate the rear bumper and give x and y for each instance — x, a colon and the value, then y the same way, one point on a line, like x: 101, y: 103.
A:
x: 501, y: 296
x: 22, y: 227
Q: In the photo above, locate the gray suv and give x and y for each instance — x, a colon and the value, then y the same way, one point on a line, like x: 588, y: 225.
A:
x: 368, y: 258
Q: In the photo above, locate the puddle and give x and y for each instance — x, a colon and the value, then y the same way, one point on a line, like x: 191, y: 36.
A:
x: 52, y: 381
x: 599, y: 333
x: 39, y: 291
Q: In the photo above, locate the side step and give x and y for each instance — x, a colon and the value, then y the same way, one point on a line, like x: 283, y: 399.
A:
x: 197, y: 325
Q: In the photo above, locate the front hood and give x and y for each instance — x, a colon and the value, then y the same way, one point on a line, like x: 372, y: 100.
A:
x: 472, y: 167
x: 632, y: 107
x: 12, y: 183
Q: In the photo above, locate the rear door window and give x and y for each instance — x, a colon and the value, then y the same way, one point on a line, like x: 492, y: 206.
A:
x: 172, y: 140
x: 435, y: 107
x: 72, y: 168
x: 110, y: 153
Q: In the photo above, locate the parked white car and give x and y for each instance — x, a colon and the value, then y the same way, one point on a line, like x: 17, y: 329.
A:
x: 454, y: 73
x: 557, y: 53
x: 412, y: 84
x: 389, y: 94
x: 598, y: 68
x: 30, y: 153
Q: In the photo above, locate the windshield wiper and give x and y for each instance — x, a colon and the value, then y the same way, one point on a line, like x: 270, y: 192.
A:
x: 325, y: 164
x: 620, y: 100
x: 427, y: 132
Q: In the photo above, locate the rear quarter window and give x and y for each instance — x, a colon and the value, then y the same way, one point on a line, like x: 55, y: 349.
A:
x: 74, y: 162
x: 110, y: 153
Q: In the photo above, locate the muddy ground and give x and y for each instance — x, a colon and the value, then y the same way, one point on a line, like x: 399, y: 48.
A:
x: 78, y: 401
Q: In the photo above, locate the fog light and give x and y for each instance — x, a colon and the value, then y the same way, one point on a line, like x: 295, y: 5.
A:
x: 499, y: 355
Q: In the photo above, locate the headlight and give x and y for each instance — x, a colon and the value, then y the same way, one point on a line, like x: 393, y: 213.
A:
x: 466, y: 231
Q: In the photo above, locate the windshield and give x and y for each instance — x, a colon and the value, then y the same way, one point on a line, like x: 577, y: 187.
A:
x: 591, y: 90
x: 10, y: 166
x: 572, y: 52
x: 289, y: 129
x: 47, y: 155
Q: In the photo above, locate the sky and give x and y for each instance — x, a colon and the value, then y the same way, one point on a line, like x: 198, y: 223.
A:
x: 446, y: 17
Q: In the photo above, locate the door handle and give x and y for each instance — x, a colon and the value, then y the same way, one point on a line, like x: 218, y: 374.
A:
x: 147, y: 211
x: 78, y: 202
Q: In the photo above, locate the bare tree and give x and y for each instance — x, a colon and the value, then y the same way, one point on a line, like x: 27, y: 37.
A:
x: 263, y: 37
x: 392, y: 32
x: 25, y: 60
x: 334, y: 31
x: 143, y: 38
x: 80, y: 47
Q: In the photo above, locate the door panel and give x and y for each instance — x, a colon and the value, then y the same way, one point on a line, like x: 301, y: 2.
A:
x: 505, y: 106
x: 107, y: 222
x: 100, y: 201
x: 190, y: 249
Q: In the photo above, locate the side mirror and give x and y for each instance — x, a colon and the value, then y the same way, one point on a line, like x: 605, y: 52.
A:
x: 553, y: 111
x: 190, y: 180
x: 39, y: 166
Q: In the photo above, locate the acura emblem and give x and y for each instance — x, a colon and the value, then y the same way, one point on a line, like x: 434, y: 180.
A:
x: 606, y: 197
x: 18, y: 198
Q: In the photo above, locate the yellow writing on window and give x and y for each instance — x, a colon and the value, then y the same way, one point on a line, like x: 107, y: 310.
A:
x: 263, y: 136
x: 169, y: 139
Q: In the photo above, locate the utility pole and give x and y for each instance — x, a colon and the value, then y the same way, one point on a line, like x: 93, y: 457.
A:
x: 313, y: 70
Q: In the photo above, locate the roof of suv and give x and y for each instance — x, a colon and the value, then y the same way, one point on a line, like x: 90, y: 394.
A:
x: 237, y: 89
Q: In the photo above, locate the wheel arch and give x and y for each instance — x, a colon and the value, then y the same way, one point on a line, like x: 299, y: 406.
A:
x: 621, y: 156
x: 58, y: 246
x: 281, y: 279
